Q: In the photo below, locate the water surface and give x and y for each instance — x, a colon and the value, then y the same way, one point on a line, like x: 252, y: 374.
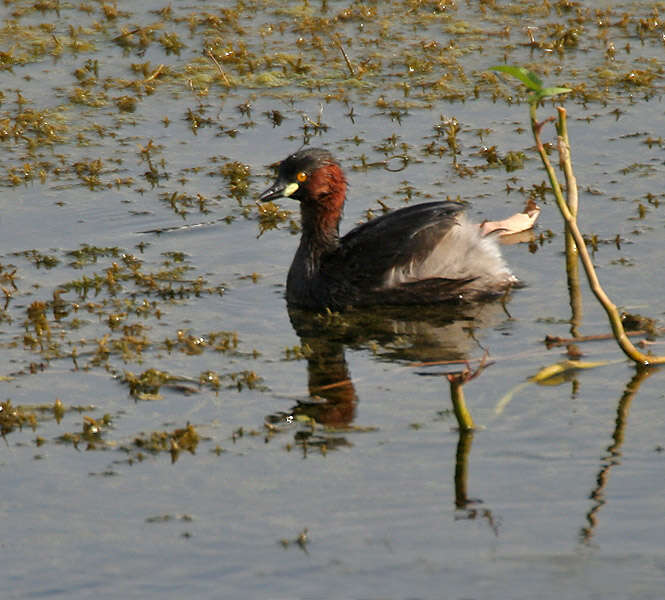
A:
x: 143, y: 223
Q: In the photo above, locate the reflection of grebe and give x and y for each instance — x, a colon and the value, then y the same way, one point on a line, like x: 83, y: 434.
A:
x: 433, y: 333
x: 420, y: 254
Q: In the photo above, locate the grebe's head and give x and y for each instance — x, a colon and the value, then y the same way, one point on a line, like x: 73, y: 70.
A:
x: 310, y: 175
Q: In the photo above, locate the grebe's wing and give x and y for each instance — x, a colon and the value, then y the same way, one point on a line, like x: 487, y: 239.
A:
x: 369, y: 251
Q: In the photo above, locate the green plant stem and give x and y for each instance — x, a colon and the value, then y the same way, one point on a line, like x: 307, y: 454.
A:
x: 464, y: 419
x: 612, y: 312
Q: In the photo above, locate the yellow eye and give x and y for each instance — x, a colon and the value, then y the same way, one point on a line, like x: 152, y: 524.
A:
x: 302, y: 176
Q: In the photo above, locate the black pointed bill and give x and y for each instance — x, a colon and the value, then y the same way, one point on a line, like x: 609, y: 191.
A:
x: 278, y: 190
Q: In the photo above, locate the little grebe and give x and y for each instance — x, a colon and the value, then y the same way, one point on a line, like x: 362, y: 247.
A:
x: 420, y: 254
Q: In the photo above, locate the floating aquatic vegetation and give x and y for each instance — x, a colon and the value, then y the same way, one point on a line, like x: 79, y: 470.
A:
x: 14, y: 417
x: 237, y: 176
x: 40, y: 259
x: 271, y: 216
x: 146, y: 385
x: 173, y: 442
x: 88, y: 254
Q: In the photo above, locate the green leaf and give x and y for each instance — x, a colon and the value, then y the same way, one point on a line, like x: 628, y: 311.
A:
x: 563, y: 367
x: 553, y: 91
x: 528, y: 78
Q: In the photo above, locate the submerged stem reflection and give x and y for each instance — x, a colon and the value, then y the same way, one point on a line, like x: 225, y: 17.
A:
x: 613, y: 453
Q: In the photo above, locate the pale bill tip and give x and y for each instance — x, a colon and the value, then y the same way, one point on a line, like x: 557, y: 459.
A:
x: 290, y: 189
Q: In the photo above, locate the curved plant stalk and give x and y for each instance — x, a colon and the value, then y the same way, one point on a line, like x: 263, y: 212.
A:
x: 611, y: 310
x: 457, y: 381
x: 538, y: 92
x: 564, y: 154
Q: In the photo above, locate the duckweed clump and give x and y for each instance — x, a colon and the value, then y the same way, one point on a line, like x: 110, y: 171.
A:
x: 146, y: 385
x: 271, y: 215
x: 173, y: 442
x: 237, y: 176
x: 40, y: 259
x: 88, y: 255
x: 91, y: 434
x: 15, y: 417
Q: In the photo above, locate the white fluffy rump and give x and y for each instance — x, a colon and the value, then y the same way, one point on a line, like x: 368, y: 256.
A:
x: 463, y: 252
